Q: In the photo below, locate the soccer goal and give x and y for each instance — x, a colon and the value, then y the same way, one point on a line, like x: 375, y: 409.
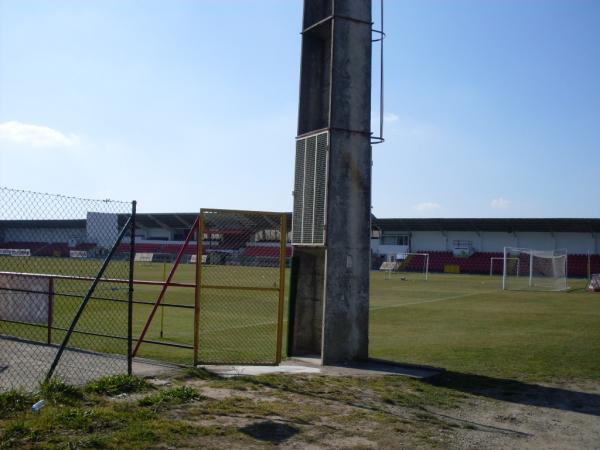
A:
x: 404, y: 263
x: 536, y: 270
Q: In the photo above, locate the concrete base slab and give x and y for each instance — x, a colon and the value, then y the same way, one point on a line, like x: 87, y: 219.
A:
x: 312, y: 365
x: 371, y: 367
x: 242, y: 371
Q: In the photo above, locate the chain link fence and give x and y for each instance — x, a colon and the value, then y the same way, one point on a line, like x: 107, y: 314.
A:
x: 241, y: 277
x: 64, y: 288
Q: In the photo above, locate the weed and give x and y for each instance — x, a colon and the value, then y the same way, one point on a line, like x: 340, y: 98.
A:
x: 14, y: 401
x: 56, y: 391
x: 173, y: 396
x: 117, y: 384
x: 199, y: 373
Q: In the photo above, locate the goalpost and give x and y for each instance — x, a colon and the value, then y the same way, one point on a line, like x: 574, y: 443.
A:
x: 407, y: 262
x: 536, y: 270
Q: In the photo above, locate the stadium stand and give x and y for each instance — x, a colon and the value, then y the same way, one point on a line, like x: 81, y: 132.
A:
x: 266, y: 251
x: 41, y: 248
x: 479, y: 263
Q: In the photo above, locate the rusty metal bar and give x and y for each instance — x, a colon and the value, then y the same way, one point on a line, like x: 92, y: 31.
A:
x: 165, y: 286
x: 102, y: 280
x: 245, y: 288
x: 239, y: 211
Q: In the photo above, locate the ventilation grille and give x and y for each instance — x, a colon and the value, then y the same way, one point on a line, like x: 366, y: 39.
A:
x: 310, y: 190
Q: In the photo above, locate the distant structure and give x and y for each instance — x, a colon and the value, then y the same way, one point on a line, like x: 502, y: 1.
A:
x: 466, y: 243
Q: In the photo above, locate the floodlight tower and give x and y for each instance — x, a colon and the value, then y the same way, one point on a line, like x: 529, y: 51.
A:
x: 329, y: 297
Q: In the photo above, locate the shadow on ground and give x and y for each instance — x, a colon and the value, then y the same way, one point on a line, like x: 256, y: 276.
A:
x: 270, y: 431
x: 519, y: 392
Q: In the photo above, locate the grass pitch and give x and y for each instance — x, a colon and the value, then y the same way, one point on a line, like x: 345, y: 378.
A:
x: 464, y: 323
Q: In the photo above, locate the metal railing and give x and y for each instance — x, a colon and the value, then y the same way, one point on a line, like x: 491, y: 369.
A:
x: 58, y: 270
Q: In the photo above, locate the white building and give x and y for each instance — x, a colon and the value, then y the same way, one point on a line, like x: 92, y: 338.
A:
x: 578, y: 236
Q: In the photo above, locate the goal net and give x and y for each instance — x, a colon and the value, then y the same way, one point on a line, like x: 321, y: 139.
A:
x: 594, y: 285
x: 536, y: 270
x: 405, y: 263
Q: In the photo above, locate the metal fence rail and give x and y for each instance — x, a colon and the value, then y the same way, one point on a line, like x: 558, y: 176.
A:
x: 227, y: 306
x: 65, y: 297
x: 241, y: 279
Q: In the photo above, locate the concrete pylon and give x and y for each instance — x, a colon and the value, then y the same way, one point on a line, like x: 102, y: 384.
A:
x: 329, y: 297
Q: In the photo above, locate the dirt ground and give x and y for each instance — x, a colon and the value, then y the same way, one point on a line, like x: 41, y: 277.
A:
x: 565, y: 416
x: 193, y: 408
x: 466, y: 414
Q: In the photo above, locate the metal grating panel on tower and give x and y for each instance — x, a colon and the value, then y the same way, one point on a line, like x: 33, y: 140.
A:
x: 310, y: 190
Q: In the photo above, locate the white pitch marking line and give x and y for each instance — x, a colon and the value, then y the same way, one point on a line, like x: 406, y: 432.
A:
x: 453, y: 297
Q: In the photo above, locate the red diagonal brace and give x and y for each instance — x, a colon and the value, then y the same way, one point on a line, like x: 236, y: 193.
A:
x: 166, y: 285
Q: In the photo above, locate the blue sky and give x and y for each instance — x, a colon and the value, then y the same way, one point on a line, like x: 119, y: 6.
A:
x: 492, y: 106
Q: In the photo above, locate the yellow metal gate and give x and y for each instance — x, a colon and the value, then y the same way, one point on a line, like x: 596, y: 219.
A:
x: 241, y: 263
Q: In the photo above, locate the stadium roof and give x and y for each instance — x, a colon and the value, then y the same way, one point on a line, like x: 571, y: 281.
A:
x: 166, y: 220
x: 46, y: 223
x: 502, y: 225
x: 185, y: 221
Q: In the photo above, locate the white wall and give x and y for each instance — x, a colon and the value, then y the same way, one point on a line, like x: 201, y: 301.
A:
x: 496, y: 241
x: 464, y: 236
x: 155, y: 233
x: 102, y: 228
x: 386, y: 249
x: 536, y: 240
x: 428, y: 240
x: 575, y: 243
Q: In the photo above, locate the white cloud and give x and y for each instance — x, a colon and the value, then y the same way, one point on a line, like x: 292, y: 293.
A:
x: 427, y: 206
x: 500, y: 203
x: 36, y: 136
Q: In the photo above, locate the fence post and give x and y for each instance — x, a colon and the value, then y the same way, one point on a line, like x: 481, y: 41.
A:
x: 85, y: 301
x: 199, y: 251
x: 130, y: 294
x: 282, y: 258
x: 50, y: 308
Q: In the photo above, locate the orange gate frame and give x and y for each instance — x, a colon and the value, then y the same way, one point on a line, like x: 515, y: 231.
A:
x: 199, y: 228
